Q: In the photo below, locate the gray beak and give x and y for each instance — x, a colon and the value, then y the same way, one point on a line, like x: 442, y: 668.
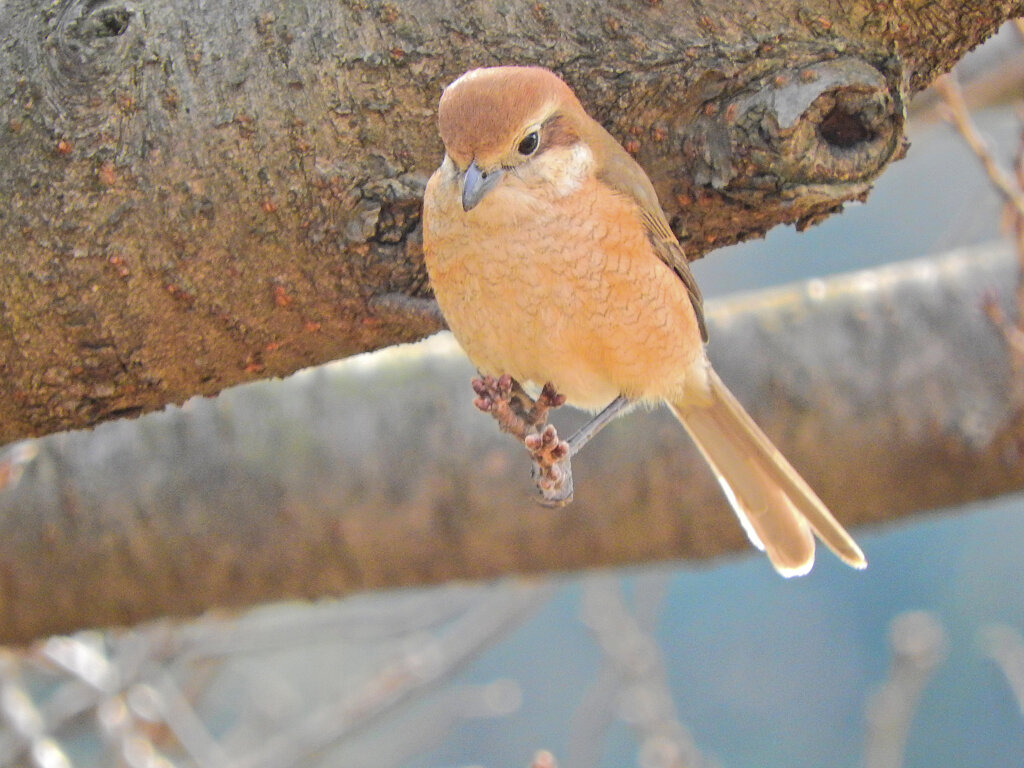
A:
x: 476, y: 184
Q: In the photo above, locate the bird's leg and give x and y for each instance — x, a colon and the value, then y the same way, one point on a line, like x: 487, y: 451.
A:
x: 585, y: 433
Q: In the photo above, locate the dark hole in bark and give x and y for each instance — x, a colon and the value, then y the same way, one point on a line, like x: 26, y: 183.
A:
x: 843, y: 129
x: 112, y: 22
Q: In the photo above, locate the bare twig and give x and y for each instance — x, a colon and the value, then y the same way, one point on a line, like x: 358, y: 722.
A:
x: 957, y: 113
x: 526, y: 419
x: 1011, y: 187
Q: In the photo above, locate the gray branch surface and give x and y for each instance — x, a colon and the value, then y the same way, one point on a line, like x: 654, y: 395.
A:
x: 195, y: 195
x: 889, y: 390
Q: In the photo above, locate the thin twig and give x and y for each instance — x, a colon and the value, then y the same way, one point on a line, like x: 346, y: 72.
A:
x: 1011, y: 187
x: 948, y: 87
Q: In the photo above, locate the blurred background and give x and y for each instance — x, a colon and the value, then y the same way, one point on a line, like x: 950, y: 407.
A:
x: 917, y: 661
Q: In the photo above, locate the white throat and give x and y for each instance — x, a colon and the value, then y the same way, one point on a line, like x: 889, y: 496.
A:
x: 565, y: 169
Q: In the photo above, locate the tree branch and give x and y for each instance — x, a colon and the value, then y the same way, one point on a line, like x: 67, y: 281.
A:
x: 889, y: 390
x: 196, y: 196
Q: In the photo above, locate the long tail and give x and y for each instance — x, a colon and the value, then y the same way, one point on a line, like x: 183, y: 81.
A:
x: 777, y: 508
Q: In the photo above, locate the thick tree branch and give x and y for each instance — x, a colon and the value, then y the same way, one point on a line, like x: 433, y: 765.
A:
x: 889, y: 390
x: 201, y: 194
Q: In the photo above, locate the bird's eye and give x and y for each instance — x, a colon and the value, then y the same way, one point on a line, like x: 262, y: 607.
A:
x: 529, y: 144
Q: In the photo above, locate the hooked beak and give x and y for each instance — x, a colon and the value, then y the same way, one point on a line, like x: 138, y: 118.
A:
x: 477, y: 183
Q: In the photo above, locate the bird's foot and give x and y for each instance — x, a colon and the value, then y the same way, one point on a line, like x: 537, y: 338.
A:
x: 527, y: 419
x: 552, y: 470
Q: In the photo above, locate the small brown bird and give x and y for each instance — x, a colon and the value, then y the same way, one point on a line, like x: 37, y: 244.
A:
x: 553, y: 262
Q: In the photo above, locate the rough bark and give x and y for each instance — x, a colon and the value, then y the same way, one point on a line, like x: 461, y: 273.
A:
x: 889, y: 390
x: 201, y: 194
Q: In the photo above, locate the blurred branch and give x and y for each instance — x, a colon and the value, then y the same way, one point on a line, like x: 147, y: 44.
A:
x: 889, y: 390
x: 1005, y: 646
x: 141, y: 686
x: 407, y: 675
x: 632, y: 683
x: 917, y: 644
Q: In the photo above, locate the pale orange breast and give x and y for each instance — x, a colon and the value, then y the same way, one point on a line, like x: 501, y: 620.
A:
x: 565, y: 290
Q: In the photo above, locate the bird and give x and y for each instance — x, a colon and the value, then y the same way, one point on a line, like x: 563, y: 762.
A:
x: 553, y: 263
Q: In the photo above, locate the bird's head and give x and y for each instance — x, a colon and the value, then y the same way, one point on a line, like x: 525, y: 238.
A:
x: 520, y: 121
